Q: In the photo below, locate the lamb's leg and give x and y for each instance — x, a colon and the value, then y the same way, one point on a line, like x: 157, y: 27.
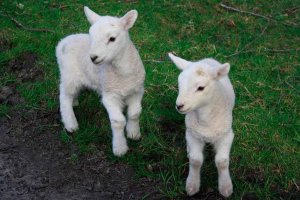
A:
x: 133, y: 113
x: 222, y: 148
x: 195, y: 155
x: 66, y: 100
x: 114, y: 107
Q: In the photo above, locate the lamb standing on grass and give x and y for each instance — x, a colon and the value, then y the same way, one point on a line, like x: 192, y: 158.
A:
x: 106, y: 61
x: 207, y: 98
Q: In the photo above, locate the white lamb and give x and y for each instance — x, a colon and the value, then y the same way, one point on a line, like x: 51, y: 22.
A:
x: 207, y: 98
x: 105, y: 60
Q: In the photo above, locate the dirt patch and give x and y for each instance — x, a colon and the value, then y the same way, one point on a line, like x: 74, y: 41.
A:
x: 170, y: 126
x: 5, y: 43
x: 10, y: 96
x: 249, y: 196
x: 34, y: 164
x: 207, y: 194
x: 292, y: 193
x: 24, y: 66
x: 172, y: 129
x: 255, y: 176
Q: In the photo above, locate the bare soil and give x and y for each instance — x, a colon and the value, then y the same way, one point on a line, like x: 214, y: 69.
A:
x: 24, y: 67
x: 34, y: 164
x: 5, y: 43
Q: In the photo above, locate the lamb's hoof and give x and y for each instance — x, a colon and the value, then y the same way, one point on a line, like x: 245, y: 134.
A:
x: 72, y: 127
x: 192, y: 187
x: 133, y: 131
x: 120, y: 149
x: 134, y: 135
x: 225, y: 188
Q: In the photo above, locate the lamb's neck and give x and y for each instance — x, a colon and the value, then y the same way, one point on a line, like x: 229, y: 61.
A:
x: 126, y: 59
x: 215, y: 110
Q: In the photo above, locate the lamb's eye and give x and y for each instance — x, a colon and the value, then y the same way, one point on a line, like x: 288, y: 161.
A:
x: 112, y: 39
x: 200, y: 88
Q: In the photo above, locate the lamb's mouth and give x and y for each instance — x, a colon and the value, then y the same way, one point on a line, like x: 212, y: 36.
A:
x: 184, y: 111
x: 99, y: 62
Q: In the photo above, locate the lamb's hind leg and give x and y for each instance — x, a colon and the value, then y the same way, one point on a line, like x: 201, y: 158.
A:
x: 66, y: 98
x: 222, y: 148
x: 114, y: 107
x: 133, y: 112
x: 195, y: 155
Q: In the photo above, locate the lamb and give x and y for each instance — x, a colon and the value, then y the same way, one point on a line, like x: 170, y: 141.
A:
x: 105, y: 60
x: 207, y: 98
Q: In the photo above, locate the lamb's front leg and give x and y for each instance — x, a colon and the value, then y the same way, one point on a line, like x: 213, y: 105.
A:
x: 66, y: 98
x: 195, y: 155
x: 114, y: 107
x: 133, y: 112
x: 222, y: 148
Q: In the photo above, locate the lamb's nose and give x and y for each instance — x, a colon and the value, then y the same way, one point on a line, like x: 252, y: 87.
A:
x: 179, y: 106
x: 93, y: 58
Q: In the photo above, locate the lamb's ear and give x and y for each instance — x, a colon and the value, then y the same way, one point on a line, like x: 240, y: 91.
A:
x: 128, y: 19
x: 179, y: 62
x: 91, y: 16
x: 222, y: 70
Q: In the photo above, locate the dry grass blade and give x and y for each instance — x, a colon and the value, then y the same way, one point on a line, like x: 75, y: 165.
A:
x: 246, y: 12
x: 20, y: 25
x: 249, y: 44
x: 255, y: 14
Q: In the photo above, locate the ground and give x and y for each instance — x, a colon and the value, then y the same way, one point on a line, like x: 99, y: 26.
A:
x: 35, y: 165
x: 40, y: 160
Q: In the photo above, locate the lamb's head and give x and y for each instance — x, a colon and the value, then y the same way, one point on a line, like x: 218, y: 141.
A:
x: 108, y: 35
x: 197, y: 82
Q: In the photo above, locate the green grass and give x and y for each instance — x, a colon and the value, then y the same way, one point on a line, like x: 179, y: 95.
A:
x: 266, y: 116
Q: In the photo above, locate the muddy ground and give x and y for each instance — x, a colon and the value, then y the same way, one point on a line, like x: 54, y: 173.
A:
x: 34, y: 164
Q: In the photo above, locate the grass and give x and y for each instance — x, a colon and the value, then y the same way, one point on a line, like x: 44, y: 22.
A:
x: 266, y: 115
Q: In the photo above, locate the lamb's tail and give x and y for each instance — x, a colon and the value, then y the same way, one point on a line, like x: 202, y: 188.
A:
x: 59, y: 51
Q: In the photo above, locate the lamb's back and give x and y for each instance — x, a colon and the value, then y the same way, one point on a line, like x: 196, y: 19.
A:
x: 75, y: 46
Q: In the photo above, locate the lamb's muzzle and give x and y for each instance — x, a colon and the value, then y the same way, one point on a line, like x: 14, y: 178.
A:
x: 93, y: 58
x: 179, y: 107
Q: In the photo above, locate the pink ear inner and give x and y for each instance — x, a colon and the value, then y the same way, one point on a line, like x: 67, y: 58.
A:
x: 223, y: 70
